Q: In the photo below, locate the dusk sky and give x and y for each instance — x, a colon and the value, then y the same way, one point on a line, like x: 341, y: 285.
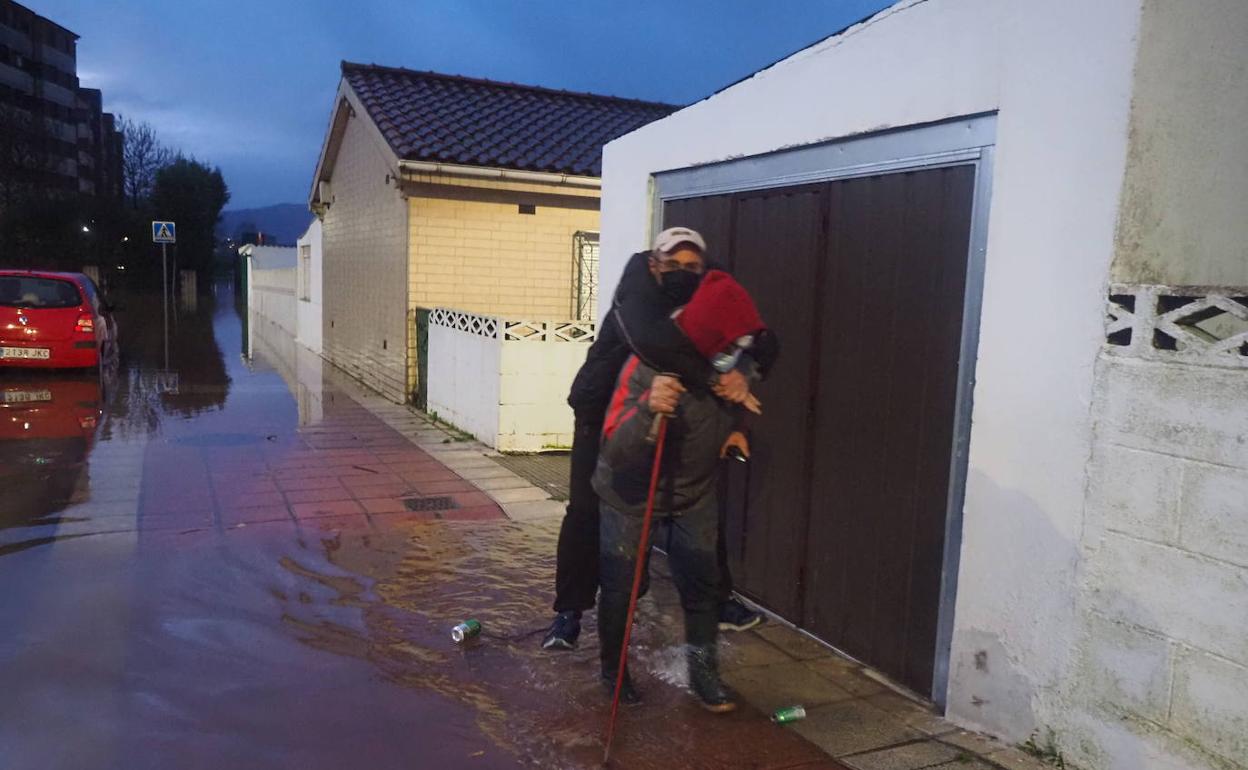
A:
x: 248, y: 85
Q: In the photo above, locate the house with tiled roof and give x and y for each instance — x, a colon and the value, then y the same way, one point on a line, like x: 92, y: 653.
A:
x: 440, y: 191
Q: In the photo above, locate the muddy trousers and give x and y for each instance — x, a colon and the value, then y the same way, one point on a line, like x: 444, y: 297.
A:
x: 691, y: 543
x: 576, y: 560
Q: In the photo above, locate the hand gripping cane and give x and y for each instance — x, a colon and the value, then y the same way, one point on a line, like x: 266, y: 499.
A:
x: 658, y: 432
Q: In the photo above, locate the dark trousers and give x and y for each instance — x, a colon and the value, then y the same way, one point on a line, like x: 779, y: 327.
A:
x: 576, y: 560
x: 691, y: 542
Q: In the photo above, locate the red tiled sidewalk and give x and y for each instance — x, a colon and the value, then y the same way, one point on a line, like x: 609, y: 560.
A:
x: 350, y: 466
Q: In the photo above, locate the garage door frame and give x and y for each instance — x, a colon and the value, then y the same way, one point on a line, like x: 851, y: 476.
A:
x: 970, y: 140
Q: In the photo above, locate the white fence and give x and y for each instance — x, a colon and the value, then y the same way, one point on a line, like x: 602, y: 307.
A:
x: 505, y: 382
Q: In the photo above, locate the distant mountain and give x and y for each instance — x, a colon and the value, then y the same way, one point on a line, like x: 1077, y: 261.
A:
x: 281, y: 224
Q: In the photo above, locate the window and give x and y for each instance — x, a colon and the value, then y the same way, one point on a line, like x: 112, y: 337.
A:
x: 22, y: 291
x: 305, y: 273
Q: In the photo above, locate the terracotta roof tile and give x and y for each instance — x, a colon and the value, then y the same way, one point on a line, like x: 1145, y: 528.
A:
x: 433, y: 117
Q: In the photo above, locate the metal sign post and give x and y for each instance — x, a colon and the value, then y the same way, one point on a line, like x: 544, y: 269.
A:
x: 164, y: 233
x: 164, y: 294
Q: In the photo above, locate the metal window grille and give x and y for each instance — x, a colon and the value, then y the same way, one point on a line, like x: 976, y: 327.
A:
x: 585, y: 276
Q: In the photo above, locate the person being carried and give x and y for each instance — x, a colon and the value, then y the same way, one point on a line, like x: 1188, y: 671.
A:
x: 722, y: 322
x: 653, y: 285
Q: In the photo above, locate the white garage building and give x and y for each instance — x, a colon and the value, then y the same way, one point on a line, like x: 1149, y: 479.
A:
x: 1005, y: 456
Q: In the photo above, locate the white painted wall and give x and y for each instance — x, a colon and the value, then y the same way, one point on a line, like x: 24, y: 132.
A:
x: 534, y: 380
x: 271, y: 285
x: 509, y: 393
x: 1059, y: 75
x: 1183, y: 219
x: 308, y: 321
x: 464, y: 381
x: 1161, y: 662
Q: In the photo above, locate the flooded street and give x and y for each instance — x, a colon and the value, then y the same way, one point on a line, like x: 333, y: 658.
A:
x: 218, y: 558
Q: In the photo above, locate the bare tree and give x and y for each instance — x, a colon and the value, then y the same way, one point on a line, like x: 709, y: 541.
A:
x: 142, y: 156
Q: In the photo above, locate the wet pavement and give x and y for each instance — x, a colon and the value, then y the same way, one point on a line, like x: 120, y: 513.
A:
x: 218, y: 557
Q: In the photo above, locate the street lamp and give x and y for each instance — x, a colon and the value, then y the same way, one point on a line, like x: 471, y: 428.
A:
x: 86, y: 229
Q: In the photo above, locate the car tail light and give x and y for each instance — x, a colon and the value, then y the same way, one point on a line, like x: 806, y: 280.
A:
x: 86, y: 422
x: 86, y: 324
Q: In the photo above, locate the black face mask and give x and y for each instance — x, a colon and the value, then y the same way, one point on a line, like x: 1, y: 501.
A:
x: 679, y: 285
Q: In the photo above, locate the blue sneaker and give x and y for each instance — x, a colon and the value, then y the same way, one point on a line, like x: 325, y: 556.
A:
x: 735, y: 616
x: 564, y: 631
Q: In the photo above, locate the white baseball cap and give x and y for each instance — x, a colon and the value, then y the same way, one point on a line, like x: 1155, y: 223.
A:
x: 669, y: 239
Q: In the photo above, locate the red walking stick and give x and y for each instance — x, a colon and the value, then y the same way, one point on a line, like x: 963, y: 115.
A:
x: 659, y: 432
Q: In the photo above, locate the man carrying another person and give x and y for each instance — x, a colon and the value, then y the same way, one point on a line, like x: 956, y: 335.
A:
x: 653, y: 285
x: 723, y: 324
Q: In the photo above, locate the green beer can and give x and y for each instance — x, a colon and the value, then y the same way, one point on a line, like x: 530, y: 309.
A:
x: 466, y: 630
x: 789, y: 714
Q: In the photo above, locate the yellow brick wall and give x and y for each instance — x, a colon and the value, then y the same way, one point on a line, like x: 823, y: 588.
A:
x: 485, y: 257
x: 364, y: 244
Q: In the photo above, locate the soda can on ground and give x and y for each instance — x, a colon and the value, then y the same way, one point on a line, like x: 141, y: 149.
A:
x: 466, y: 630
x: 789, y: 714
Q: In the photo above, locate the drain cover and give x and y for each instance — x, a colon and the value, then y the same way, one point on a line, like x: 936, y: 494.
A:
x: 429, y: 503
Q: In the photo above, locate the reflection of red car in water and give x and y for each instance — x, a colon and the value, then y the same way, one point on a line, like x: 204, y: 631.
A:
x: 47, y: 428
x: 49, y: 408
x: 53, y: 320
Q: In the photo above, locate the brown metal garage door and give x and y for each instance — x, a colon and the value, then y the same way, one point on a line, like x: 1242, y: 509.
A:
x: 839, y: 523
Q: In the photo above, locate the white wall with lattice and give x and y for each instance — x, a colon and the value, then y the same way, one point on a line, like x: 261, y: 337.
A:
x: 505, y: 381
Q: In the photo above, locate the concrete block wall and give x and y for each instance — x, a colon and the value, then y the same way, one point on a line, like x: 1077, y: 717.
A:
x: 1160, y: 670
x: 364, y: 247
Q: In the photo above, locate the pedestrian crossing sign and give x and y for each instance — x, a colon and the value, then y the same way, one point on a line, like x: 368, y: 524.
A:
x: 163, y: 232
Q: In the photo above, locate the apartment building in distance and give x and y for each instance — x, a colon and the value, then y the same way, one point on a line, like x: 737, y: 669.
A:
x: 56, y: 129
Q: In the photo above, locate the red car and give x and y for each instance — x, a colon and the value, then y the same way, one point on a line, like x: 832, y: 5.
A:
x: 54, y: 320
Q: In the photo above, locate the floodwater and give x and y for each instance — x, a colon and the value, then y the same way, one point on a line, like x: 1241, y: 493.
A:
x: 206, y: 562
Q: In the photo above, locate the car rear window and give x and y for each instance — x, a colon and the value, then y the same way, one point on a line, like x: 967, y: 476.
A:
x: 29, y: 291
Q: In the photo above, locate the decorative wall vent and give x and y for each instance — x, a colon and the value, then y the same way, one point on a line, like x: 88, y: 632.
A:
x: 480, y: 325
x: 552, y: 331
x: 526, y: 331
x: 514, y: 331
x: 1188, y: 324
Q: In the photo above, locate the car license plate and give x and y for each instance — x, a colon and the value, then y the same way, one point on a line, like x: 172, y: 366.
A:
x: 25, y: 396
x: 40, y: 353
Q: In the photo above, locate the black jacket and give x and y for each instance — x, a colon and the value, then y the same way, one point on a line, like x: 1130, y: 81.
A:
x: 640, y: 322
